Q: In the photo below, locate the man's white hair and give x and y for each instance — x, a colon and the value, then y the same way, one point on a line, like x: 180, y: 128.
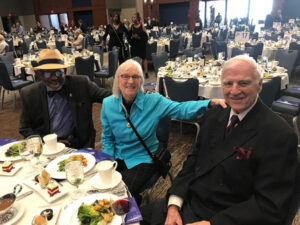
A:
x: 128, y: 63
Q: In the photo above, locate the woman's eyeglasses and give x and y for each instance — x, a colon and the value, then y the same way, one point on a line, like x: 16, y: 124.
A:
x: 127, y: 77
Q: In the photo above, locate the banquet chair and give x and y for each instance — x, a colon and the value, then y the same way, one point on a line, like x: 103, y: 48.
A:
x: 196, y: 40
x: 112, y: 66
x: 168, y: 30
x: 8, y: 60
x: 218, y: 46
x: 295, y: 46
x: 174, y: 47
x: 257, y: 49
x: 10, y: 85
x: 59, y: 45
x: 85, y: 66
x: 159, y: 60
x: 150, y: 48
x: 99, y: 50
x: 181, y: 92
x: 192, y: 52
x: 41, y: 44
x: 287, y: 59
x: 66, y: 50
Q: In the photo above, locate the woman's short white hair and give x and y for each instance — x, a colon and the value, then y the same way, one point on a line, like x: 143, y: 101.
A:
x: 128, y: 63
x: 247, y: 59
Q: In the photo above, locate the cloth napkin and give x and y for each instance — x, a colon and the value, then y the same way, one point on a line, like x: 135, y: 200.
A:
x: 100, y: 156
x: 4, y: 141
x: 134, y: 215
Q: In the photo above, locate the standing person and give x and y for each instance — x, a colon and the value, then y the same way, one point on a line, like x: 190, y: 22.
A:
x: 244, y: 167
x: 218, y: 19
x: 138, y: 40
x: 60, y: 103
x: 116, y: 32
x: 78, y: 41
x: 63, y: 28
x: 20, y: 29
x: 38, y: 27
x: 82, y: 26
x: 13, y: 28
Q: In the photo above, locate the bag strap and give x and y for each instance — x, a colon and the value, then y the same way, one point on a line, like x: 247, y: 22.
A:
x: 137, y: 134
x: 117, y: 34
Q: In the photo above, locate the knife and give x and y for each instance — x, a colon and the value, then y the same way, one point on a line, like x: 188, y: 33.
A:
x: 24, y: 195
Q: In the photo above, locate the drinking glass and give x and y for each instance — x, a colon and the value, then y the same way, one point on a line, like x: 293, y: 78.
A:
x: 121, y: 207
x: 75, y: 175
x: 34, y: 146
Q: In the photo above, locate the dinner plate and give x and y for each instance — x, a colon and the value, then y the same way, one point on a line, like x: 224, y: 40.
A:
x: 4, y: 148
x: 96, y: 181
x: 69, y: 215
x: 16, y: 168
x: 20, y: 211
x: 52, y: 167
x: 43, y: 192
x: 59, y: 148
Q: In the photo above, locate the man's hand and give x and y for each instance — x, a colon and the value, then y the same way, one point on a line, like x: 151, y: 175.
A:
x: 173, y: 216
x: 203, y: 222
x: 217, y: 101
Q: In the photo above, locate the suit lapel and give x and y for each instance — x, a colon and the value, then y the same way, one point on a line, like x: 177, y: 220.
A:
x: 221, y: 148
x: 44, y: 100
x: 71, y: 100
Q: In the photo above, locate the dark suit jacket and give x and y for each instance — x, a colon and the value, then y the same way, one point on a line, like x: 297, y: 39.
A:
x: 81, y: 94
x: 230, y: 191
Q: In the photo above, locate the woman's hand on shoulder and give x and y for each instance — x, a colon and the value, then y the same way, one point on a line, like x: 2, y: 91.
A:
x: 216, y: 101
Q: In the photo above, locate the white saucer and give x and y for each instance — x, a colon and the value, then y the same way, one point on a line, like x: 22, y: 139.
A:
x: 97, y: 183
x: 59, y: 147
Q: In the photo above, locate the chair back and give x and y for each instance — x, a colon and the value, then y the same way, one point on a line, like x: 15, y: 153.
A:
x: 35, y: 64
x: 66, y: 50
x: 295, y: 46
x: 270, y: 90
x: 219, y: 46
x: 287, y: 59
x: 181, y: 91
x: 174, y: 47
x: 113, y: 57
x: 196, y: 40
x: 236, y: 51
x: 85, y: 66
x: 151, y: 48
x: 99, y: 50
x: 159, y: 60
x: 8, y: 60
x: 59, y: 45
x: 4, y: 77
x: 258, y: 48
x: 41, y: 44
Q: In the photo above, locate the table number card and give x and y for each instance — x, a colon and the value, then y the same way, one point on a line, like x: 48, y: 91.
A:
x: 277, y: 25
x: 242, y: 37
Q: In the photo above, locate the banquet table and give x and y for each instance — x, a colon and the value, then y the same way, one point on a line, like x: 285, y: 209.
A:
x: 33, y: 203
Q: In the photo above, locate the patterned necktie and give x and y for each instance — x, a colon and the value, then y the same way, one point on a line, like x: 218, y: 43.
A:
x: 233, y: 121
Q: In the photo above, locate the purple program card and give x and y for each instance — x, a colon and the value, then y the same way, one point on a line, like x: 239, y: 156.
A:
x: 134, y: 215
x: 4, y: 141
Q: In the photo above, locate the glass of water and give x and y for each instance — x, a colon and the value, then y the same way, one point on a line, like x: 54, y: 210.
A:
x: 75, y: 175
x: 34, y: 146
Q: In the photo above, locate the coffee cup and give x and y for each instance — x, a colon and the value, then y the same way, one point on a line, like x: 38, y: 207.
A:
x: 51, y: 142
x: 105, y: 169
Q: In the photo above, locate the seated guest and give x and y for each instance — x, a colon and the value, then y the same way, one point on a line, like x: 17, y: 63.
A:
x: 60, y: 104
x: 145, y: 110
x: 63, y: 28
x: 38, y: 27
x: 3, y: 44
x: 78, y: 40
x: 19, y: 28
x: 243, y: 168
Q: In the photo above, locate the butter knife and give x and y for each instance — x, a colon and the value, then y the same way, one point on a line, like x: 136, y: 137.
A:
x: 24, y: 195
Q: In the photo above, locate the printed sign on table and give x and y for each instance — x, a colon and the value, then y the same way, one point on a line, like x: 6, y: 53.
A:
x: 242, y: 36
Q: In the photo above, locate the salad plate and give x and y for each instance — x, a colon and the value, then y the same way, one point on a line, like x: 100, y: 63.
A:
x: 69, y: 215
x: 53, y: 168
x: 15, y: 154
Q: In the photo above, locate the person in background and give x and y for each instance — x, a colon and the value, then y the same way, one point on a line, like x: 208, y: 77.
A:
x: 218, y: 19
x: 116, y: 31
x: 19, y: 28
x: 198, y: 25
x: 126, y: 23
x: 77, y: 43
x: 82, y: 26
x: 154, y: 22
x: 13, y: 29
x: 3, y: 45
x: 138, y: 40
x: 38, y: 27
x: 148, y: 23
x: 278, y: 16
x: 63, y: 28
x: 145, y: 111
x: 244, y: 166
x: 60, y: 103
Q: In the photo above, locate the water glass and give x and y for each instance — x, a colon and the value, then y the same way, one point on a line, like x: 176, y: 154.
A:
x: 35, y: 146
x: 75, y: 175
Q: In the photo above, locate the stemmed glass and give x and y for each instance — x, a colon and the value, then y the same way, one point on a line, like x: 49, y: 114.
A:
x: 34, y: 146
x: 121, y: 207
x: 75, y: 175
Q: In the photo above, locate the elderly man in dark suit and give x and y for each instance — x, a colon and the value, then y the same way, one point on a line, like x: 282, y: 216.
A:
x: 243, y: 168
x: 60, y: 104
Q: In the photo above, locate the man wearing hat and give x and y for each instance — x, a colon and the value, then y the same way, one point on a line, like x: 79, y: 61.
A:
x: 60, y: 104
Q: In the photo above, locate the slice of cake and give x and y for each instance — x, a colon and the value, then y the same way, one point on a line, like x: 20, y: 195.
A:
x: 53, y: 188
x: 44, y: 178
x: 7, y: 166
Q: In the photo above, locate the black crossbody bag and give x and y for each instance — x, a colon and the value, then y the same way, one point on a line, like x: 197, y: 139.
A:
x: 162, y: 156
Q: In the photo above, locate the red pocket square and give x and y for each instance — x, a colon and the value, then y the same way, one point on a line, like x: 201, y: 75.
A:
x: 243, y: 154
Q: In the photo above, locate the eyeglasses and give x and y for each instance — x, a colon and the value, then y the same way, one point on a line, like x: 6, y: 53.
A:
x: 49, y: 73
x: 127, y: 77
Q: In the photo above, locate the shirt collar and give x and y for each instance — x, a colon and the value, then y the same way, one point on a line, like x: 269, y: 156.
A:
x: 138, y: 101
x: 242, y: 114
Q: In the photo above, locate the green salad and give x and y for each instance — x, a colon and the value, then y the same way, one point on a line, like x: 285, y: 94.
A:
x: 97, y: 213
x: 15, y: 149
